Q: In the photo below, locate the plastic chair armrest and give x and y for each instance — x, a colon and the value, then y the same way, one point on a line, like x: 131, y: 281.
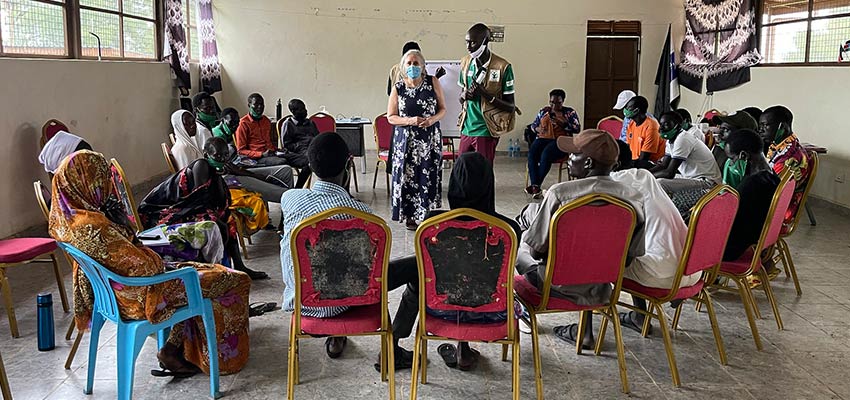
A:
x: 189, y: 276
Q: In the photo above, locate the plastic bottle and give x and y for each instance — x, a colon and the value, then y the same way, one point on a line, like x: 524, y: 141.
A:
x: 46, y: 337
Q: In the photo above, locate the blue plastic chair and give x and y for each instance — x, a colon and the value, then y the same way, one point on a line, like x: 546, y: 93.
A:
x: 132, y: 334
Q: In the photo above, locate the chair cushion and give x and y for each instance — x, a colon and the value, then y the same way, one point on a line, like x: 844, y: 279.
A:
x: 466, y: 331
x: 361, y: 319
x: 531, y: 296
x: 684, y: 292
x: 739, y: 266
x: 384, y: 155
x: 25, y: 249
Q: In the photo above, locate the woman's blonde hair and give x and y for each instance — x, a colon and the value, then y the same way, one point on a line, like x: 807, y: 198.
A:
x: 418, y: 55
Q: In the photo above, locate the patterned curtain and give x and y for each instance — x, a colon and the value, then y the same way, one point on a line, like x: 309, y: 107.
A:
x: 720, y: 44
x: 175, y: 51
x: 210, y: 70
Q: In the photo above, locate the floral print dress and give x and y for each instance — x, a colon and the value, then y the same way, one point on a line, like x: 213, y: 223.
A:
x: 417, y: 154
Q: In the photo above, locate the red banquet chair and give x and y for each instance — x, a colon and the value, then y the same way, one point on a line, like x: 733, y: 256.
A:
x: 486, y: 248
x: 50, y: 129
x: 577, y: 257
x: 611, y: 124
x: 750, y: 263
x: 710, y: 224
x: 383, y: 140
x: 326, y: 123
x: 318, y: 243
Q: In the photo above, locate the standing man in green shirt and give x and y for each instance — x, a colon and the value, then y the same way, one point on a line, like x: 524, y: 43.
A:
x: 488, y: 95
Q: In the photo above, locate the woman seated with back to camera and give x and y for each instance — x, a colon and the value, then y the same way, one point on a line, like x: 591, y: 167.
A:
x: 83, y: 217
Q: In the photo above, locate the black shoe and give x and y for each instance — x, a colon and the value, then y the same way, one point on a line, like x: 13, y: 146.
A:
x: 255, y: 275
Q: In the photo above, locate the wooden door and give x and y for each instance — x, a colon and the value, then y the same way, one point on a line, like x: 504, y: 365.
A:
x: 611, y: 67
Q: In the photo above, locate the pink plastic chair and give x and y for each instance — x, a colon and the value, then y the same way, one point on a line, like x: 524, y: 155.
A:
x: 578, y: 257
x: 708, y: 232
x: 324, y: 122
x: 750, y: 263
x: 50, y: 129
x: 611, y: 124
x: 486, y: 248
x: 383, y: 140
x: 320, y: 281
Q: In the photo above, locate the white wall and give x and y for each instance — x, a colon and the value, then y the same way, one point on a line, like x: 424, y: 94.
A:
x: 121, y: 108
x: 819, y: 99
x: 338, y: 53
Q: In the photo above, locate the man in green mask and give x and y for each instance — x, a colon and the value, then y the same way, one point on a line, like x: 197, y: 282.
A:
x: 206, y: 112
x: 688, y: 169
x: 748, y: 172
x: 727, y: 124
x: 784, y: 152
x: 227, y: 127
x: 254, y: 134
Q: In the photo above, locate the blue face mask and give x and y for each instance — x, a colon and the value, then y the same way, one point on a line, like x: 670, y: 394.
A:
x: 413, y: 71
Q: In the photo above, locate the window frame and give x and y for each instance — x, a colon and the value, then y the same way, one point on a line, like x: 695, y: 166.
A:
x: 187, y: 18
x: 68, y: 36
x: 73, y: 33
x: 808, y: 20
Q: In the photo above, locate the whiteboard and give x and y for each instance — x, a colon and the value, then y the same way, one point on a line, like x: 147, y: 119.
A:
x: 451, y: 94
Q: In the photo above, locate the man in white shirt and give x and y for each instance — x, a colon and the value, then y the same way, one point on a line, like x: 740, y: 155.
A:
x: 688, y: 169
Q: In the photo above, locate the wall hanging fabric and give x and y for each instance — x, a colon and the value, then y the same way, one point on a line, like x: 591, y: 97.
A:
x: 210, y: 70
x: 175, y: 51
x: 719, y: 44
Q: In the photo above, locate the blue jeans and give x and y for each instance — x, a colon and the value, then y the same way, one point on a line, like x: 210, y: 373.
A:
x: 541, y: 154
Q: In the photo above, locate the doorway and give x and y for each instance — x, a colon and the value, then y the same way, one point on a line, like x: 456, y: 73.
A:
x: 612, y: 64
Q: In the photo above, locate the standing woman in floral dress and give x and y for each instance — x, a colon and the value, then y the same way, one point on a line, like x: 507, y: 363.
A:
x: 415, y: 106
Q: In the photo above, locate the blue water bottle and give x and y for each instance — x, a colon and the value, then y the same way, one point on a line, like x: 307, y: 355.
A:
x: 46, y: 339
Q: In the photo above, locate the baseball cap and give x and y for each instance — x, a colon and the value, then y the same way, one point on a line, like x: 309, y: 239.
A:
x: 740, y: 120
x: 624, y: 98
x: 594, y: 143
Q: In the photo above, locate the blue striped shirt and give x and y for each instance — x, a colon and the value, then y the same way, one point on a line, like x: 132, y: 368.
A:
x: 296, y: 206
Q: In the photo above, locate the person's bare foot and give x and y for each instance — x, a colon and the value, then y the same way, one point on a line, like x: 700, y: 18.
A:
x: 171, y: 359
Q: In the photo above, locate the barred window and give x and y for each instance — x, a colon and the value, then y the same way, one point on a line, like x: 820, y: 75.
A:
x: 190, y: 26
x: 34, y: 28
x: 804, y: 31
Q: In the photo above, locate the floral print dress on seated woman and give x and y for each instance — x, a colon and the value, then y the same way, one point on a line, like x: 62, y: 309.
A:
x: 417, y: 155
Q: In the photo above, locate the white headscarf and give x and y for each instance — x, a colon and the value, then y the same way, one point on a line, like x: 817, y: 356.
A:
x: 61, y: 145
x: 187, y: 148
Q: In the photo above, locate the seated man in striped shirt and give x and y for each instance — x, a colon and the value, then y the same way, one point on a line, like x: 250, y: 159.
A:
x: 328, y: 157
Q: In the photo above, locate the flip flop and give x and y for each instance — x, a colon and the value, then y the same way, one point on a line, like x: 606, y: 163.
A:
x: 626, y: 321
x: 260, y: 308
x: 165, y: 373
x: 448, y: 352
x: 566, y: 333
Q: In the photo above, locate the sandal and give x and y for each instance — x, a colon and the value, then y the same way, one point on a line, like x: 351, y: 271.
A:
x: 627, y: 321
x: 331, y: 354
x: 569, y: 333
x: 256, y: 275
x: 164, y: 373
x: 260, y: 308
x: 448, y: 352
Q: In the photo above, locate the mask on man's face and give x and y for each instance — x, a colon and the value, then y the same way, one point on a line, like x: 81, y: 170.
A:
x: 254, y: 114
x: 206, y: 118
x: 734, y: 171
x: 477, y: 53
x: 629, y: 113
x: 670, y: 133
x: 780, y: 135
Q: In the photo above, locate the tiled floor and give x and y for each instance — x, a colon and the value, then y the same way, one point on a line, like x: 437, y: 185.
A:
x: 808, y: 360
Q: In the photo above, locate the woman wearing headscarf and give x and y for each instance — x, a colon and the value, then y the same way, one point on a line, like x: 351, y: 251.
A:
x: 415, y: 107
x: 61, y: 145
x: 199, y: 193
x: 85, y: 218
x: 189, y: 142
x: 472, y: 185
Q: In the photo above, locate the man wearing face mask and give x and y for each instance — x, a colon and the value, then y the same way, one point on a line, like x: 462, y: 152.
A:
x: 688, y: 170
x: 642, y: 134
x: 622, y: 99
x: 254, y: 135
x: 205, y: 113
x: 725, y: 125
x: 784, y: 152
x: 269, y: 182
x: 488, y: 109
x: 295, y: 138
x: 755, y: 182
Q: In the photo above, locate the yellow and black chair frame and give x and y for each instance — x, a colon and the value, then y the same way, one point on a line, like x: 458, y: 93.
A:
x: 420, y: 351
x: 169, y: 159
x: 747, y: 297
x: 703, y: 297
x: 782, y: 251
x: 39, y: 196
x: 295, y: 332
x: 608, y: 312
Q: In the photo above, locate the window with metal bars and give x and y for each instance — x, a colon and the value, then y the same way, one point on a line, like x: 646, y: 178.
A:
x: 107, y: 29
x: 804, y: 32
x: 190, y: 25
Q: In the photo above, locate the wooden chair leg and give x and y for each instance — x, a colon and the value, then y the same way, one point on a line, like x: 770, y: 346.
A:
x: 240, y: 235
x: 74, y: 348
x: 60, y: 282
x: 7, y: 300
x: 70, y: 332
